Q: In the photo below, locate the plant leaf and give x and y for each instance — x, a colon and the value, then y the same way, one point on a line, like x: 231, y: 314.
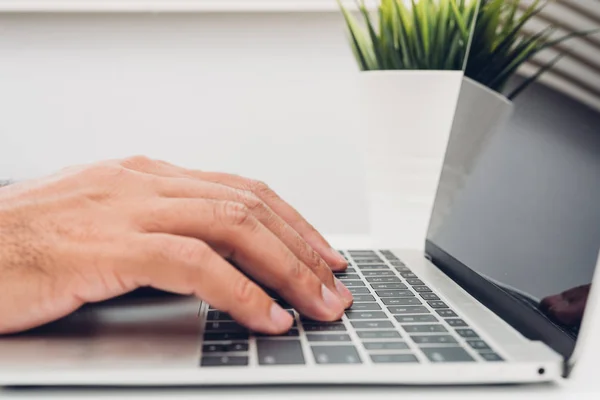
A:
x: 375, y: 42
x: 524, y: 85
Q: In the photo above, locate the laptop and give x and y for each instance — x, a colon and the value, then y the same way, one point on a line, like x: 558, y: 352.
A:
x: 498, y: 296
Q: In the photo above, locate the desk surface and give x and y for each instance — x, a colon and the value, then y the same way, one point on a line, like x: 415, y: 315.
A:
x: 561, y: 391
x: 582, y: 386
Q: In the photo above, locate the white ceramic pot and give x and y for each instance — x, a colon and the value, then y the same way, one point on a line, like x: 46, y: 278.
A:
x: 407, y: 117
x: 480, y: 114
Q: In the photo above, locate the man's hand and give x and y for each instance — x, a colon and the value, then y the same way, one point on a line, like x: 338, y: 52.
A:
x: 568, y: 306
x: 94, y: 232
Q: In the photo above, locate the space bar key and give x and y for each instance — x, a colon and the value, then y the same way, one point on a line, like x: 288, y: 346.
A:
x: 279, y: 352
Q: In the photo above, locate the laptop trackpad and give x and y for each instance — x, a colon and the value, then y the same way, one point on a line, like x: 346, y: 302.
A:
x: 134, y: 331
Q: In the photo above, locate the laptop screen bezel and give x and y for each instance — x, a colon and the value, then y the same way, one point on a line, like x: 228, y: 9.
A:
x: 525, y: 320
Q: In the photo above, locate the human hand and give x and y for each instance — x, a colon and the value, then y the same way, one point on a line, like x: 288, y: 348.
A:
x: 568, y: 306
x: 94, y: 232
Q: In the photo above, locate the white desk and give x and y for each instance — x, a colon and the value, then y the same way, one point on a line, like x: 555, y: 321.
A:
x: 585, y: 382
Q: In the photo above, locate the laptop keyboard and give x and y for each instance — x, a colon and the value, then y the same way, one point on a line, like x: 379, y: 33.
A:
x: 395, y: 319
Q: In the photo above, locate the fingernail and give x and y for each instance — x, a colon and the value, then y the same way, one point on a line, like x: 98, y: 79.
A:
x: 332, y: 302
x: 343, y: 291
x: 338, y: 257
x: 281, y: 319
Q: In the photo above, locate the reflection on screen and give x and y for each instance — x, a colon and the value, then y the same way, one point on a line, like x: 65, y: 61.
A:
x: 519, y: 198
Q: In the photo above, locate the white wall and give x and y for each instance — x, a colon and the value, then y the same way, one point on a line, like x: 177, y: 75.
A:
x: 265, y: 95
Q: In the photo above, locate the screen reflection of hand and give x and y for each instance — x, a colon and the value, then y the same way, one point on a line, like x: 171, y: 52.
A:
x: 568, y: 306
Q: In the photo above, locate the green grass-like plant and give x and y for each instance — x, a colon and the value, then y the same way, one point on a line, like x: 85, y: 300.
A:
x: 435, y: 35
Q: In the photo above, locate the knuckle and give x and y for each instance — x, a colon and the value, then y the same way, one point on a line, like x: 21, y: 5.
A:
x: 137, y: 161
x: 252, y: 201
x: 107, y: 172
x: 244, y: 291
x: 235, y: 214
x: 313, y: 258
x: 298, y: 273
x: 188, y: 252
x: 260, y: 188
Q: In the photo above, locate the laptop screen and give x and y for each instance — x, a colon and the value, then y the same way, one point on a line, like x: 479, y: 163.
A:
x: 519, y: 197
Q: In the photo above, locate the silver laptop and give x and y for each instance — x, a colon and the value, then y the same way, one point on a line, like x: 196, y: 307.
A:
x: 498, y: 296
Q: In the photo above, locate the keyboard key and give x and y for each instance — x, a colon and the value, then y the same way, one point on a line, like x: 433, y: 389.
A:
x: 279, y: 352
x: 224, y: 348
x: 479, y: 345
x: 456, y: 322
x: 447, y: 354
x: 222, y: 336
x: 407, y: 275
x: 365, y: 307
x: 328, y: 337
x: 372, y: 324
x: 437, y: 304
x: 393, y: 358
x: 348, y: 270
x: 385, y: 346
x: 415, y: 319
x: 243, y: 346
x: 408, y: 301
x: 424, y: 328
x: 467, y: 333
x: 213, y: 348
x: 351, y: 284
x: 373, y: 267
x: 363, y: 261
x: 378, y: 335
x: 491, y: 356
x: 429, y: 296
x: 307, y: 320
x: 422, y: 288
x: 336, y: 355
x: 324, y: 327
x: 378, y: 273
x: 359, y: 290
x: 446, y: 313
x: 414, y: 281
x: 397, y: 263
x: 363, y: 297
x: 408, y: 310
x: 224, y: 361
x: 218, y: 326
x: 367, y: 258
x: 348, y: 277
x: 401, y: 268
x: 433, y: 339
x: 394, y: 293
x: 388, y: 286
x: 218, y: 316
x: 365, y: 315
x: 362, y: 252
x: 385, y: 279
x: 290, y: 333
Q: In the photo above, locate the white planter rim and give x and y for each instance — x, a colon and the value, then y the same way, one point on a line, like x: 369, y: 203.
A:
x: 394, y: 72
x: 491, y: 92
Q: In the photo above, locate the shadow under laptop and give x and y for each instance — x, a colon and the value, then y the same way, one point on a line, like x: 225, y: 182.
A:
x: 265, y: 391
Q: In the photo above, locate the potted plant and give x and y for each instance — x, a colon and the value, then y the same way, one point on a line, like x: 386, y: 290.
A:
x: 412, y: 54
x: 411, y: 57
